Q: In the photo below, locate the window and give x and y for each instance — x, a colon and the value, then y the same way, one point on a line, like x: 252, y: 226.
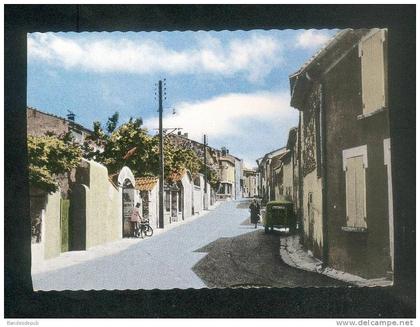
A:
x: 354, y: 166
x: 77, y: 135
x: 371, y: 53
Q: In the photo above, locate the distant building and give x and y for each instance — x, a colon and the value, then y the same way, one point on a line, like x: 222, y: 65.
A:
x: 294, y: 166
x: 40, y: 123
x: 283, y: 178
x: 227, y: 188
x: 228, y: 167
x: 250, y: 188
x: 266, y: 169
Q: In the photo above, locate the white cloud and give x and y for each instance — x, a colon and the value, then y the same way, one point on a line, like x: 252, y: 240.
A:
x: 222, y: 116
x: 249, y: 123
x: 311, y: 39
x: 254, y: 56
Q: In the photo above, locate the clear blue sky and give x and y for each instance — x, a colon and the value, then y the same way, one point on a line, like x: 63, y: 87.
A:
x: 233, y: 86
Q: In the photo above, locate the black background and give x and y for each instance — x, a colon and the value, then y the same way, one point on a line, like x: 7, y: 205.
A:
x: 397, y: 301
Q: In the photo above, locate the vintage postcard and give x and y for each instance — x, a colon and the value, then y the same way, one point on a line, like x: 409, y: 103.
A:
x: 210, y: 159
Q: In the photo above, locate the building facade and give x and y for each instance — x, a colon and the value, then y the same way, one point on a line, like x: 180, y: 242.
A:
x: 341, y: 94
x: 250, y: 188
x: 228, y: 167
x: 227, y: 188
x: 267, y: 167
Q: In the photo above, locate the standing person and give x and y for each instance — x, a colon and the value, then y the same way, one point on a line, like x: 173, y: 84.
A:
x: 255, y: 212
x: 135, y: 218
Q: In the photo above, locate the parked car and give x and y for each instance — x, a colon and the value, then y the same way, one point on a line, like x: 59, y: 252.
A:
x: 279, y: 214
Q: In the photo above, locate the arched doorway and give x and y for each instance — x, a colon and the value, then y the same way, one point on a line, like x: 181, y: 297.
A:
x: 129, y: 198
x: 128, y: 202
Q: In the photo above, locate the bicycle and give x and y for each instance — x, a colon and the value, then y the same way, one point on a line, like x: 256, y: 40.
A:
x: 143, y: 228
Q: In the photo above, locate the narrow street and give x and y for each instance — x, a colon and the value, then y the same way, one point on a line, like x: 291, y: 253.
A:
x: 219, y: 249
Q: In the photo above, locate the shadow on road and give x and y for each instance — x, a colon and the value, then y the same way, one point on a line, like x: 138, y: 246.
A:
x: 253, y: 260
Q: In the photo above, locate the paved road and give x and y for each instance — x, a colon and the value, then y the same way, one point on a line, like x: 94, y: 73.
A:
x: 217, y: 250
x: 253, y: 259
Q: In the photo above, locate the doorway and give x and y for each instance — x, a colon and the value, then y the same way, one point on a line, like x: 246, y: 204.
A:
x: 77, y: 218
x: 127, y: 207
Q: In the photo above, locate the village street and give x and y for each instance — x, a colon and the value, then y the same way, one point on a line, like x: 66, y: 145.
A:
x: 218, y: 249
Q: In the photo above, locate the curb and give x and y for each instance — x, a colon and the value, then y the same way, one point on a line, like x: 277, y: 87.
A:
x: 293, y: 254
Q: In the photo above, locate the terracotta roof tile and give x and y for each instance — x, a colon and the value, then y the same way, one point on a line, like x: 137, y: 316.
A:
x: 146, y: 183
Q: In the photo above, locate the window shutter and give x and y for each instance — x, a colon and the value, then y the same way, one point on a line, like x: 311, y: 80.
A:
x: 360, y: 192
x: 355, y: 192
x: 351, y: 193
x: 371, y: 51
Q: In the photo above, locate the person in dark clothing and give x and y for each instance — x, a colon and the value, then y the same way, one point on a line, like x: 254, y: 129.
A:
x: 255, y: 212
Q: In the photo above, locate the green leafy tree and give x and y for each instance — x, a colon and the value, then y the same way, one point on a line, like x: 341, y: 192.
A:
x: 49, y: 156
x: 127, y: 145
x: 131, y: 145
x: 112, y: 122
x: 212, y: 176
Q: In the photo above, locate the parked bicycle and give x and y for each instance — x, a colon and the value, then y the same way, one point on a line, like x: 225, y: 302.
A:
x: 143, y: 229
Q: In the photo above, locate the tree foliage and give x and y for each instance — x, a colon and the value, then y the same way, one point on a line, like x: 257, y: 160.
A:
x: 131, y: 145
x: 49, y: 156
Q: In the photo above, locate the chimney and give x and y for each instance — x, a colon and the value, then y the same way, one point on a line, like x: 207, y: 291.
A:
x: 71, y: 116
x: 227, y: 151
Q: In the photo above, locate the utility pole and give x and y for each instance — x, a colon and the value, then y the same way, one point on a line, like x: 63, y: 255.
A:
x: 161, y: 158
x: 205, y: 173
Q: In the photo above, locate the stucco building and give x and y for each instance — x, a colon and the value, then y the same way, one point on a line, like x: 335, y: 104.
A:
x: 228, y: 167
x: 267, y: 170
x: 347, y: 202
x: 250, y: 188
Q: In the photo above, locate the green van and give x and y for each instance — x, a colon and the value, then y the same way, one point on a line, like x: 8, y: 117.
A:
x: 279, y: 214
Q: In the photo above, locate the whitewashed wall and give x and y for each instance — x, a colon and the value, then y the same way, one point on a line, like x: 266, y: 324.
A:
x: 103, y: 208
x: 154, y: 206
x: 188, y: 189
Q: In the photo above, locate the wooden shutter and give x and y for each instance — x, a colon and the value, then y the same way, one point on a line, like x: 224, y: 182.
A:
x: 371, y: 51
x: 351, y: 193
x: 355, y: 192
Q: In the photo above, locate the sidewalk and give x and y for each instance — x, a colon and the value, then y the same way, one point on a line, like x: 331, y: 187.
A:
x: 71, y: 258
x: 293, y: 254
